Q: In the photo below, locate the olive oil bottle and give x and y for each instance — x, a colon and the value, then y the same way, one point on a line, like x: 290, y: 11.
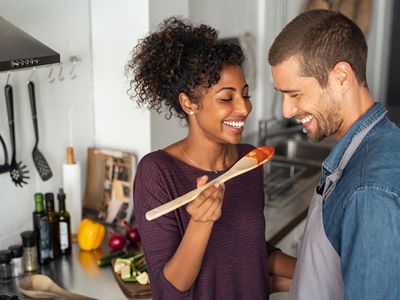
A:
x: 54, y: 231
x: 41, y: 227
x: 64, y: 224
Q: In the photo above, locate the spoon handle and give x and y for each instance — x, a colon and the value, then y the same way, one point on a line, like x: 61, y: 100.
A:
x: 70, y: 295
x: 174, y: 204
x: 186, y: 198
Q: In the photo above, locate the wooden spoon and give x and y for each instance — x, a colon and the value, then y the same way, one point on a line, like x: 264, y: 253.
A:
x: 41, y: 286
x: 251, y: 160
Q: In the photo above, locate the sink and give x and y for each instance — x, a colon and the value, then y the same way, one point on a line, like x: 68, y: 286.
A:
x: 295, y: 161
x: 280, y: 177
x: 302, y: 152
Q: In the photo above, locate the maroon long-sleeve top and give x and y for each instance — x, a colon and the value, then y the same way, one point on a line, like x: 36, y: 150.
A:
x: 234, y: 264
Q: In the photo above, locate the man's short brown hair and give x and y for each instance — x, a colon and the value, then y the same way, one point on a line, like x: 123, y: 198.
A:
x: 321, y: 39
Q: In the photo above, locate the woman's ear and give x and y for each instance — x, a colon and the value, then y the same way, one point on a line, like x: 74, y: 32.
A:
x: 187, y: 105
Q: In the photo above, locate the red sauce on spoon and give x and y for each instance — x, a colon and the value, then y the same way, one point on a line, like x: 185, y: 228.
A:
x: 262, y: 154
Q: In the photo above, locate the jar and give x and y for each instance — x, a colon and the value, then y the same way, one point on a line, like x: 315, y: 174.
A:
x: 5, y: 265
x: 30, y: 251
x: 17, y: 263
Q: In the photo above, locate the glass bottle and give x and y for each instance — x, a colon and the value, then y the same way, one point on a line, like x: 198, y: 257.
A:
x: 5, y: 265
x: 41, y: 227
x: 65, y: 224
x: 54, y: 230
x: 17, y: 264
x: 30, y: 251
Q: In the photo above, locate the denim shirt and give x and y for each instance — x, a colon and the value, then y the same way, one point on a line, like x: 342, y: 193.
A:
x: 362, y: 216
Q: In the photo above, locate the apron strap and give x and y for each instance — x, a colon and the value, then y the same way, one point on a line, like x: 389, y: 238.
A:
x: 331, y: 180
x: 356, y: 141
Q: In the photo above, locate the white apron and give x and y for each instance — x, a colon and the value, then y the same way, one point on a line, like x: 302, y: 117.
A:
x: 318, y: 274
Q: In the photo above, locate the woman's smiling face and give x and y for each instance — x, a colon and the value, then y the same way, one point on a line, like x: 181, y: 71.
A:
x: 223, y: 108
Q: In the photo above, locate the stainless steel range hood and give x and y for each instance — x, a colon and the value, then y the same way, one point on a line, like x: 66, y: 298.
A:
x: 20, y: 50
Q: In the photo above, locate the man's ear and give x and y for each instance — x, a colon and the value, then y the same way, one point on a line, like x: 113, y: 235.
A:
x: 343, y: 75
x: 187, y: 105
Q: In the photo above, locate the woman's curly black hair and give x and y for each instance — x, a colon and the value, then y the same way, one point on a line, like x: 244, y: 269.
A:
x: 178, y: 58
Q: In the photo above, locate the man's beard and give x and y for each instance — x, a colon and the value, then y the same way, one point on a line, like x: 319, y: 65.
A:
x: 329, y: 120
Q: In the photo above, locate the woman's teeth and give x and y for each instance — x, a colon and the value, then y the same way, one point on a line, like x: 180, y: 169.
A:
x: 234, y: 124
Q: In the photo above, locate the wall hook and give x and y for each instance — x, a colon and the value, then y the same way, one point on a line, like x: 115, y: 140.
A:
x: 60, y: 75
x: 8, y: 77
x: 50, y: 78
x: 72, y: 73
x: 30, y: 76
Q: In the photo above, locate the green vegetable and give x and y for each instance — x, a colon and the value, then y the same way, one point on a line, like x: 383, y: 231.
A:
x: 142, y: 268
x: 130, y: 279
x: 126, y: 255
x: 138, y: 257
x: 106, y: 260
x: 130, y: 267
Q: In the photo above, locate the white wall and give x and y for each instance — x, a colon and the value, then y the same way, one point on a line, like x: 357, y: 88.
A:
x: 116, y: 28
x: 64, y: 108
x: 165, y: 132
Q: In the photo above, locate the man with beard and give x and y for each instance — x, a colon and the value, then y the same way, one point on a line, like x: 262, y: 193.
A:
x: 351, y: 242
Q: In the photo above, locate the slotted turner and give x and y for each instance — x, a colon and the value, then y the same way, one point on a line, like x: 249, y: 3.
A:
x: 251, y: 160
x: 41, y: 164
x: 18, y: 171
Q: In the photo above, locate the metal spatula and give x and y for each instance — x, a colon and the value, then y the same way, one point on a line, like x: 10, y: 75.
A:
x: 250, y: 161
x: 40, y: 162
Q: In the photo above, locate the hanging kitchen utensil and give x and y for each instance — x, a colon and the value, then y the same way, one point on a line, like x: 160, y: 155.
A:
x: 18, y: 171
x: 40, y: 162
x: 4, y: 167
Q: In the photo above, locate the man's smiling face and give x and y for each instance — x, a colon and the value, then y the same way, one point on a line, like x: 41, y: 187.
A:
x: 317, y: 108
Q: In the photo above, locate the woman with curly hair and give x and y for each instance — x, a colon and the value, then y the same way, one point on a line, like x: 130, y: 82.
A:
x: 214, y: 248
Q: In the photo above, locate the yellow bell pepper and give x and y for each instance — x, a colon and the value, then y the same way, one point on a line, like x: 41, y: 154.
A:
x: 90, y: 234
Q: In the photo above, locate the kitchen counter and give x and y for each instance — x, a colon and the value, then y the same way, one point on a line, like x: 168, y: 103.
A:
x: 78, y: 273
x: 287, y: 211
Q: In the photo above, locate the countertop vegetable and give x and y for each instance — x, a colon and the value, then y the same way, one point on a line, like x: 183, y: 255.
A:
x: 90, y: 234
x: 132, y: 233
x: 116, y: 241
x: 106, y: 260
x: 133, y: 269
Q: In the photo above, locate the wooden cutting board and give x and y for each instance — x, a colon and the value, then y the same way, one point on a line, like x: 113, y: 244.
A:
x: 131, y: 289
